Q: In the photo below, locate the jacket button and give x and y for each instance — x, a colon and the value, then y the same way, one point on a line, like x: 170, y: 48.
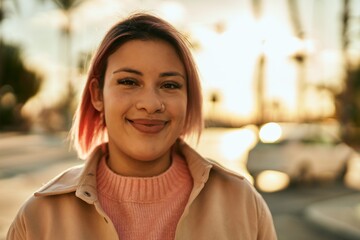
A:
x: 87, y: 194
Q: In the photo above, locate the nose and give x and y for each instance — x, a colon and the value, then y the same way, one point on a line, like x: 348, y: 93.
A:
x: 150, y: 101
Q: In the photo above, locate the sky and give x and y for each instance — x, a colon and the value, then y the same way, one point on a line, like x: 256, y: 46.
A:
x: 229, y: 41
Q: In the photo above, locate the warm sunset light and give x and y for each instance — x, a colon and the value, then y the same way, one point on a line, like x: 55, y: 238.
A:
x: 173, y: 11
x: 270, y: 132
x: 352, y: 177
x: 229, y: 147
x: 272, y: 181
x: 234, y: 144
x: 274, y: 141
x: 227, y: 44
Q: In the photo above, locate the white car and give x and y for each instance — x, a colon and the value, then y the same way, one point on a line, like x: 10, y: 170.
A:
x: 304, y: 152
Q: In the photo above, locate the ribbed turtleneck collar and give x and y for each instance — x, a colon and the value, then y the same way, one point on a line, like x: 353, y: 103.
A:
x: 139, y: 189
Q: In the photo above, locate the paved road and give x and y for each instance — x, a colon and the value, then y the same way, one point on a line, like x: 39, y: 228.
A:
x: 27, y: 162
x: 24, y: 153
x: 288, y: 208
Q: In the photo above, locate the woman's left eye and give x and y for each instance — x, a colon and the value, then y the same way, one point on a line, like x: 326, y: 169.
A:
x: 127, y: 82
x: 171, y: 85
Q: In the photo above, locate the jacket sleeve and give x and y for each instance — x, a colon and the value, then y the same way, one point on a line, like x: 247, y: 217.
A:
x: 266, y: 225
x: 17, y: 230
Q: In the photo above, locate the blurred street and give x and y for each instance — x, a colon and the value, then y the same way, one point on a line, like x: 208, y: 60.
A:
x: 28, y: 161
x: 289, y: 211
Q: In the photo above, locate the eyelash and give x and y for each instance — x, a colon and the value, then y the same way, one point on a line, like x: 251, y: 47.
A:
x: 171, y: 85
x: 127, y: 82
x: 133, y: 82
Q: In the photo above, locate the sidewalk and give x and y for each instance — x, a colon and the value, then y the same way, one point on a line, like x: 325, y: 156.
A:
x: 27, y: 161
x: 340, y: 215
x: 21, y: 153
x: 15, y: 190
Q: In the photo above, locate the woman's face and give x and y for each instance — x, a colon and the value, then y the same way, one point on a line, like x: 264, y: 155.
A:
x: 144, y: 100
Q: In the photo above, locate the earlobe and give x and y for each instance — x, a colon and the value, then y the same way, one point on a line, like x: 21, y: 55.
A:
x: 96, y: 95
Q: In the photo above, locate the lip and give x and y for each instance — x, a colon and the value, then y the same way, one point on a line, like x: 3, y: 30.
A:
x: 149, y: 126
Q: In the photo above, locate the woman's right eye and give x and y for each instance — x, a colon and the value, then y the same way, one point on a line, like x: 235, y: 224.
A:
x: 127, y: 81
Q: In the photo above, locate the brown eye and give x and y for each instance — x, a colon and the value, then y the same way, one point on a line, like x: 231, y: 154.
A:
x: 171, y: 85
x: 127, y: 82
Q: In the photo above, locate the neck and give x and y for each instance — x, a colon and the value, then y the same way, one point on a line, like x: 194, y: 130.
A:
x: 127, y: 166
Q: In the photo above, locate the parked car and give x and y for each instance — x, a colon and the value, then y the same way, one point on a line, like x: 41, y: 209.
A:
x: 304, y: 152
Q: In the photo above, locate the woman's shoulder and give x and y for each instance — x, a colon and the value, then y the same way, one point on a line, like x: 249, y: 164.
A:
x: 66, y: 181
x: 61, y: 186
x: 226, y: 173
x: 230, y: 180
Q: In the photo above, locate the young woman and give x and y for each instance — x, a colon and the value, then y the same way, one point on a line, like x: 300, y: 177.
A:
x: 140, y: 179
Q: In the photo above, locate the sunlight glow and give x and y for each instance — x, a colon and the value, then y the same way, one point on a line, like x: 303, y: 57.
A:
x: 272, y: 181
x: 218, y: 57
x: 352, y: 177
x: 228, y: 42
x: 228, y: 147
x: 172, y: 11
x: 270, y: 132
x: 50, y: 19
x: 233, y: 144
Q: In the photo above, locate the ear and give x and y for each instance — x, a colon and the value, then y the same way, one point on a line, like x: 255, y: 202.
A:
x: 96, y: 95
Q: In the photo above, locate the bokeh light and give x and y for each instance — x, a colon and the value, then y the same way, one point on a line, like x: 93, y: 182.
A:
x: 272, y: 181
x: 270, y: 132
x: 234, y: 144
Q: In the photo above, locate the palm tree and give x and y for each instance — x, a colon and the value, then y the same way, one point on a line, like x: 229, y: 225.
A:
x: 67, y: 7
x: 260, y: 70
x: 299, y: 57
x: 348, y: 105
x: 345, y: 31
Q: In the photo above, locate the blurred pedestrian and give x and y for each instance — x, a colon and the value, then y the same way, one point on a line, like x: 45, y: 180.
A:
x: 140, y: 179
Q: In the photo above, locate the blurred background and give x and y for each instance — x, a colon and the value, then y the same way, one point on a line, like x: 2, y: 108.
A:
x: 281, y: 86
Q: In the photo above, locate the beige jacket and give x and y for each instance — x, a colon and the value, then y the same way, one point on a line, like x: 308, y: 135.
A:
x: 222, y: 205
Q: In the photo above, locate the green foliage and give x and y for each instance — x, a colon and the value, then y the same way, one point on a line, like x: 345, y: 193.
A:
x: 348, y: 106
x: 17, y: 85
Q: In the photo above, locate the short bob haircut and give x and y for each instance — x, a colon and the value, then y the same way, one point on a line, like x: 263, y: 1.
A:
x: 89, y: 130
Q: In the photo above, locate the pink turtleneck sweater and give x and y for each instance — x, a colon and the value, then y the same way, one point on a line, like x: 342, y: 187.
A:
x: 145, y: 208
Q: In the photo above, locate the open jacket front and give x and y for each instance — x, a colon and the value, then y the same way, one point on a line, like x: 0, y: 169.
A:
x: 222, y: 205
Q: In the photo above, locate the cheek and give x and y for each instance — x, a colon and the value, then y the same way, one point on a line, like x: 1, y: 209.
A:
x: 114, y: 104
x: 179, y: 110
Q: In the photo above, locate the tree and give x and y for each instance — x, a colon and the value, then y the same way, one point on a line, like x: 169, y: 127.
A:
x: 17, y: 85
x: 259, y: 71
x: 67, y: 7
x: 3, y: 15
x: 348, y: 100
x: 299, y: 57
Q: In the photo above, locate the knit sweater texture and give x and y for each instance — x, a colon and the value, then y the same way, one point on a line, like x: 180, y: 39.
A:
x: 145, y: 208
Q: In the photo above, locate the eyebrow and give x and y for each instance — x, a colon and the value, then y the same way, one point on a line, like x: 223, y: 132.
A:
x: 129, y: 70
x: 165, y: 74
x: 172, y: 74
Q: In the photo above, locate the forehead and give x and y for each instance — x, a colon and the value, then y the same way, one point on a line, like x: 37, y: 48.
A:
x: 146, y: 53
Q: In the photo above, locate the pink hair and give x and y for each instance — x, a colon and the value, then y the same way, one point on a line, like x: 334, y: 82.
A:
x: 88, y: 130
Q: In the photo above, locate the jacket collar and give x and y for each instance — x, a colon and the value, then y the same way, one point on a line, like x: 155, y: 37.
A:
x: 82, y: 179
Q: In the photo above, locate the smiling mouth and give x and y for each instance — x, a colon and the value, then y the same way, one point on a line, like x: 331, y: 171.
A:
x: 149, y: 126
